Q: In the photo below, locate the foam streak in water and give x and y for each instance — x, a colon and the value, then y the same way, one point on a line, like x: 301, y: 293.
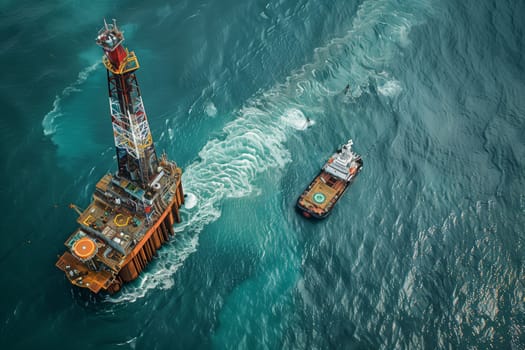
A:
x: 48, y: 123
x: 255, y: 141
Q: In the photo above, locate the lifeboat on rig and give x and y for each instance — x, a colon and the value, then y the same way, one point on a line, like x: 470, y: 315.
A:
x: 339, y: 172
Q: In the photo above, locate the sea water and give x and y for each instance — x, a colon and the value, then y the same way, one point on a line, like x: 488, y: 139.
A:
x: 425, y: 250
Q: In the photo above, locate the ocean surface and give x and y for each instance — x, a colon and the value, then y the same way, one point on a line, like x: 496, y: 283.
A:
x: 425, y: 251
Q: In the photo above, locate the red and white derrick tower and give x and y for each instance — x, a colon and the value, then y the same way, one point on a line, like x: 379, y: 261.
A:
x: 136, y: 156
x: 131, y: 215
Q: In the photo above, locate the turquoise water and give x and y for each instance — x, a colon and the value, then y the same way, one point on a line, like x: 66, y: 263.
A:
x: 424, y: 251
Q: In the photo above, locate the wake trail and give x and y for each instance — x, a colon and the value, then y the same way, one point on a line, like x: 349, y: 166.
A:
x: 49, y: 121
x: 255, y: 141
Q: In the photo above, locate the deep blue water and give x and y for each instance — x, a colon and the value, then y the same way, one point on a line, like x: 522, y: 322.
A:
x: 426, y: 250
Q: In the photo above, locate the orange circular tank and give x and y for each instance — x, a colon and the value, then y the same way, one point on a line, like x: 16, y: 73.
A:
x: 84, y: 248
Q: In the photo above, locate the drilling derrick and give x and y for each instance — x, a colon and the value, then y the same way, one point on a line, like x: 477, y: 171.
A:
x: 136, y: 155
x: 132, y: 212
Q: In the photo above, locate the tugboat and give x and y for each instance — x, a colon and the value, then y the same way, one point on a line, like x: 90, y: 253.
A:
x: 339, y: 172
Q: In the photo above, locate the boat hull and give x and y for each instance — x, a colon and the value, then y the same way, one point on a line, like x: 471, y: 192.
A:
x: 107, y: 270
x: 318, y: 200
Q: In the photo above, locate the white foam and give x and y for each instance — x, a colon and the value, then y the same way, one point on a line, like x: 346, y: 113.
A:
x: 190, y: 201
x: 403, y: 32
x: 390, y: 88
x: 210, y: 109
x: 49, y: 118
x: 169, y: 260
x: 48, y: 123
x: 294, y: 118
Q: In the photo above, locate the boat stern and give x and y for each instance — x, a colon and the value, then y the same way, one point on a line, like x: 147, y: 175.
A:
x: 309, y: 213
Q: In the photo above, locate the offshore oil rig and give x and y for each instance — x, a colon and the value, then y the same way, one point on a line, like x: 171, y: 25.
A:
x: 133, y: 211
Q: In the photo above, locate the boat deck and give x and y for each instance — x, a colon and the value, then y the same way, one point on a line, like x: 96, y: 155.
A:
x: 116, y: 224
x: 80, y: 275
x: 322, y: 193
x: 117, y: 238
